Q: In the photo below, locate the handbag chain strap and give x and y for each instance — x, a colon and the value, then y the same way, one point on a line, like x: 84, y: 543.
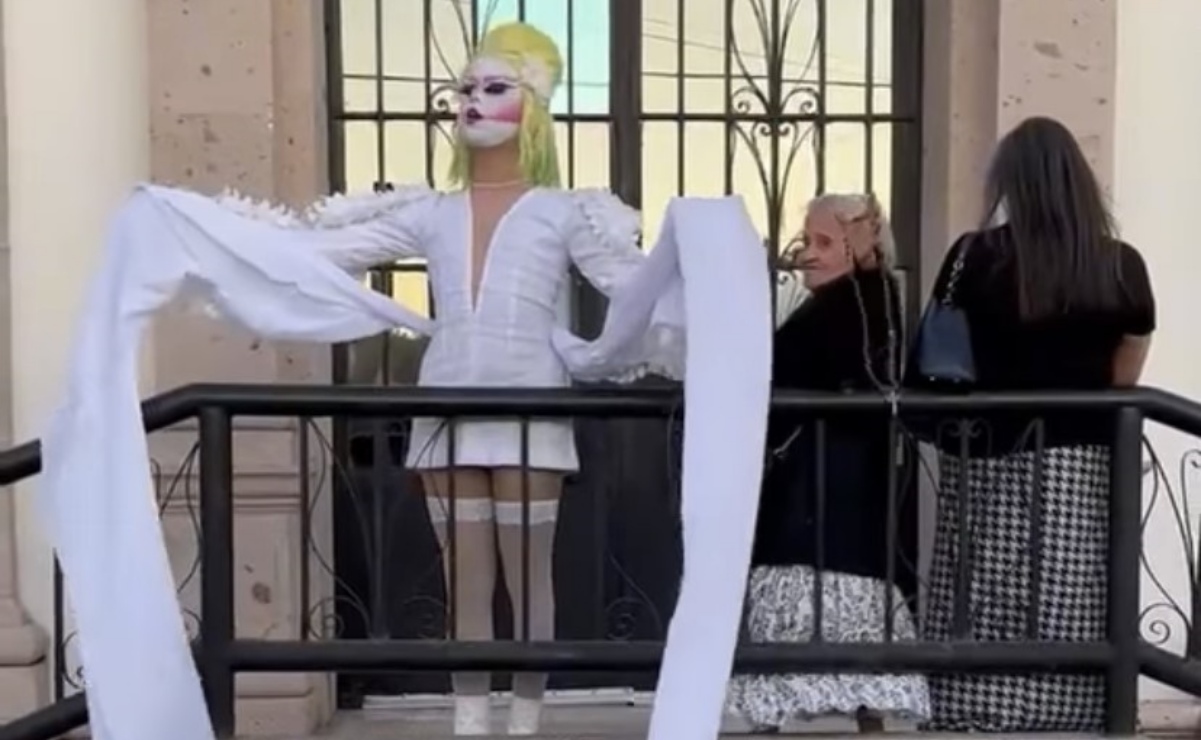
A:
x: 948, y: 294
x: 890, y: 384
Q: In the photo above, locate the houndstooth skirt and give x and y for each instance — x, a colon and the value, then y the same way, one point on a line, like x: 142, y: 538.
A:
x: 1071, y: 603
x: 853, y: 610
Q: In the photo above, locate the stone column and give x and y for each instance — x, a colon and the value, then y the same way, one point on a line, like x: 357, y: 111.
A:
x: 1059, y: 59
x: 959, y: 120
x: 237, y: 90
x: 75, y: 107
x: 991, y: 63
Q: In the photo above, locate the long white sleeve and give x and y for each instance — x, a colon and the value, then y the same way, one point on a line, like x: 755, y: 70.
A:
x: 710, y: 259
x: 355, y: 232
x: 644, y: 325
x: 604, y: 242
x: 97, y: 500
x: 95, y: 496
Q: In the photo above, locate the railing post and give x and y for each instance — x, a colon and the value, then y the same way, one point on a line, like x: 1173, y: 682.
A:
x: 217, y: 570
x: 1125, y: 542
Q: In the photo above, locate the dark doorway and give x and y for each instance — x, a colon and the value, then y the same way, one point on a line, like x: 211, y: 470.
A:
x: 775, y: 100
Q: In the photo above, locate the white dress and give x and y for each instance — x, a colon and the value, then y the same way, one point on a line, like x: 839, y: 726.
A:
x: 503, y: 337
x: 271, y: 272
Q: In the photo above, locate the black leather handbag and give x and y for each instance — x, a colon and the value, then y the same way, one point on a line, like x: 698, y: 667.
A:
x: 944, y: 340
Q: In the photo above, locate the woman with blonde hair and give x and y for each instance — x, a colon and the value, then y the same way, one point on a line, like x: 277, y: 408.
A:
x: 844, y: 336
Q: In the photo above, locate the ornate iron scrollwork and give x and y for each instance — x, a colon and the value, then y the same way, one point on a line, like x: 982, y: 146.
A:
x: 775, y: 119
x: 1164, y: 610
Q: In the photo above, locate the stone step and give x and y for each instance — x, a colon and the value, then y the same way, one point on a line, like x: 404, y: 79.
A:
x: 593, y: 723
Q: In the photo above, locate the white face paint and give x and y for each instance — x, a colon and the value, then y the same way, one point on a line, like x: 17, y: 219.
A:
x: 490, y: 103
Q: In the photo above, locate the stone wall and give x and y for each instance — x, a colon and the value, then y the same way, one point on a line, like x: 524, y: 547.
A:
x: 237, y: 100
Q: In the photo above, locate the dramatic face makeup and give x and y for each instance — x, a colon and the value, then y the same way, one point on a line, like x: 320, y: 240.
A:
x: 490, y: 103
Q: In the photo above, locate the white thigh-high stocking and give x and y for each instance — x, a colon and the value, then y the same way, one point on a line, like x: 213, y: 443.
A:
x: 469, y: 563
x: 535, y: 587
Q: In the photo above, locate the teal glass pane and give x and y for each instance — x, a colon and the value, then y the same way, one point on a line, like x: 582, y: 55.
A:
x: 585, y: 45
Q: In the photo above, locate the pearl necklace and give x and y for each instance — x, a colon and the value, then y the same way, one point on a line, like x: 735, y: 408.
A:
x: 495, y: 185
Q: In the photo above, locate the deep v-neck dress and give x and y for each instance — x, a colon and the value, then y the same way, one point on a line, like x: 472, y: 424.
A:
x: 501, y: 337
x: 698, y: 298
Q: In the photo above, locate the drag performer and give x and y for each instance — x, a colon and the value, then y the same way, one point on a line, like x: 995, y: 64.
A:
x: 498, y: 253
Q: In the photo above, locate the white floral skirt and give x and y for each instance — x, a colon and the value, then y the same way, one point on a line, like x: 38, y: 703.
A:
x: 853, y: 610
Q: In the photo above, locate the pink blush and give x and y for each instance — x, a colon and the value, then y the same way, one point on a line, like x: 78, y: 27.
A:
x: 507, y: 114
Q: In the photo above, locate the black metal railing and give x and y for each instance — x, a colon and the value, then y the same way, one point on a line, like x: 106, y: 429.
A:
x: 1121, y: 655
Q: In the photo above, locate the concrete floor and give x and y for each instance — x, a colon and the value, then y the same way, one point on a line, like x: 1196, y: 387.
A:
x: 574, y: 723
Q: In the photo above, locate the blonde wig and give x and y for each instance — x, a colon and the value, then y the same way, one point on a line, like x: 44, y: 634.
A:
x: 539, y: 66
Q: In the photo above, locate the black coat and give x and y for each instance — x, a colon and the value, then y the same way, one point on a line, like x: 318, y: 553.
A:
x: 821, y: 348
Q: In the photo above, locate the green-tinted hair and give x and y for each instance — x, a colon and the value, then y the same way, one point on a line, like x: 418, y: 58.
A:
x: 514, y: 43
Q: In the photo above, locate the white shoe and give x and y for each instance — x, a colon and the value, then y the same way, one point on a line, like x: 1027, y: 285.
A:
x: 524, y: 716
x: 473, y: 715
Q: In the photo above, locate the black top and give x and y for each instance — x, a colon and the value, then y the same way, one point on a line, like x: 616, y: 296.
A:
x: 1073, y: 351
x: 821, y: 348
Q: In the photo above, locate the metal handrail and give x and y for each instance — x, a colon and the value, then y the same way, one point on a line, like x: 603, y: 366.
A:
x: 172, y: 407
x: 195, y: 400
x: 177, y: 405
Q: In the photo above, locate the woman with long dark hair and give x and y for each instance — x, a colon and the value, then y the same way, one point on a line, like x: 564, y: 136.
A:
x: 1053, y: 300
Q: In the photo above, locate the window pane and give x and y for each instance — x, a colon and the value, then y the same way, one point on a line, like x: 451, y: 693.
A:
x: 589, y: 154
x: 581, y: 29
x: 361, y: 155
x: 405, y: 148
x: 748, y: 89
x: 410, y: 287
x: 845, y: 157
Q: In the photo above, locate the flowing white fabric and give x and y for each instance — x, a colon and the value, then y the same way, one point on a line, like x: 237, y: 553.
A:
x: 96, y: 497
x: 727, y: 393
x: 98, y: 505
